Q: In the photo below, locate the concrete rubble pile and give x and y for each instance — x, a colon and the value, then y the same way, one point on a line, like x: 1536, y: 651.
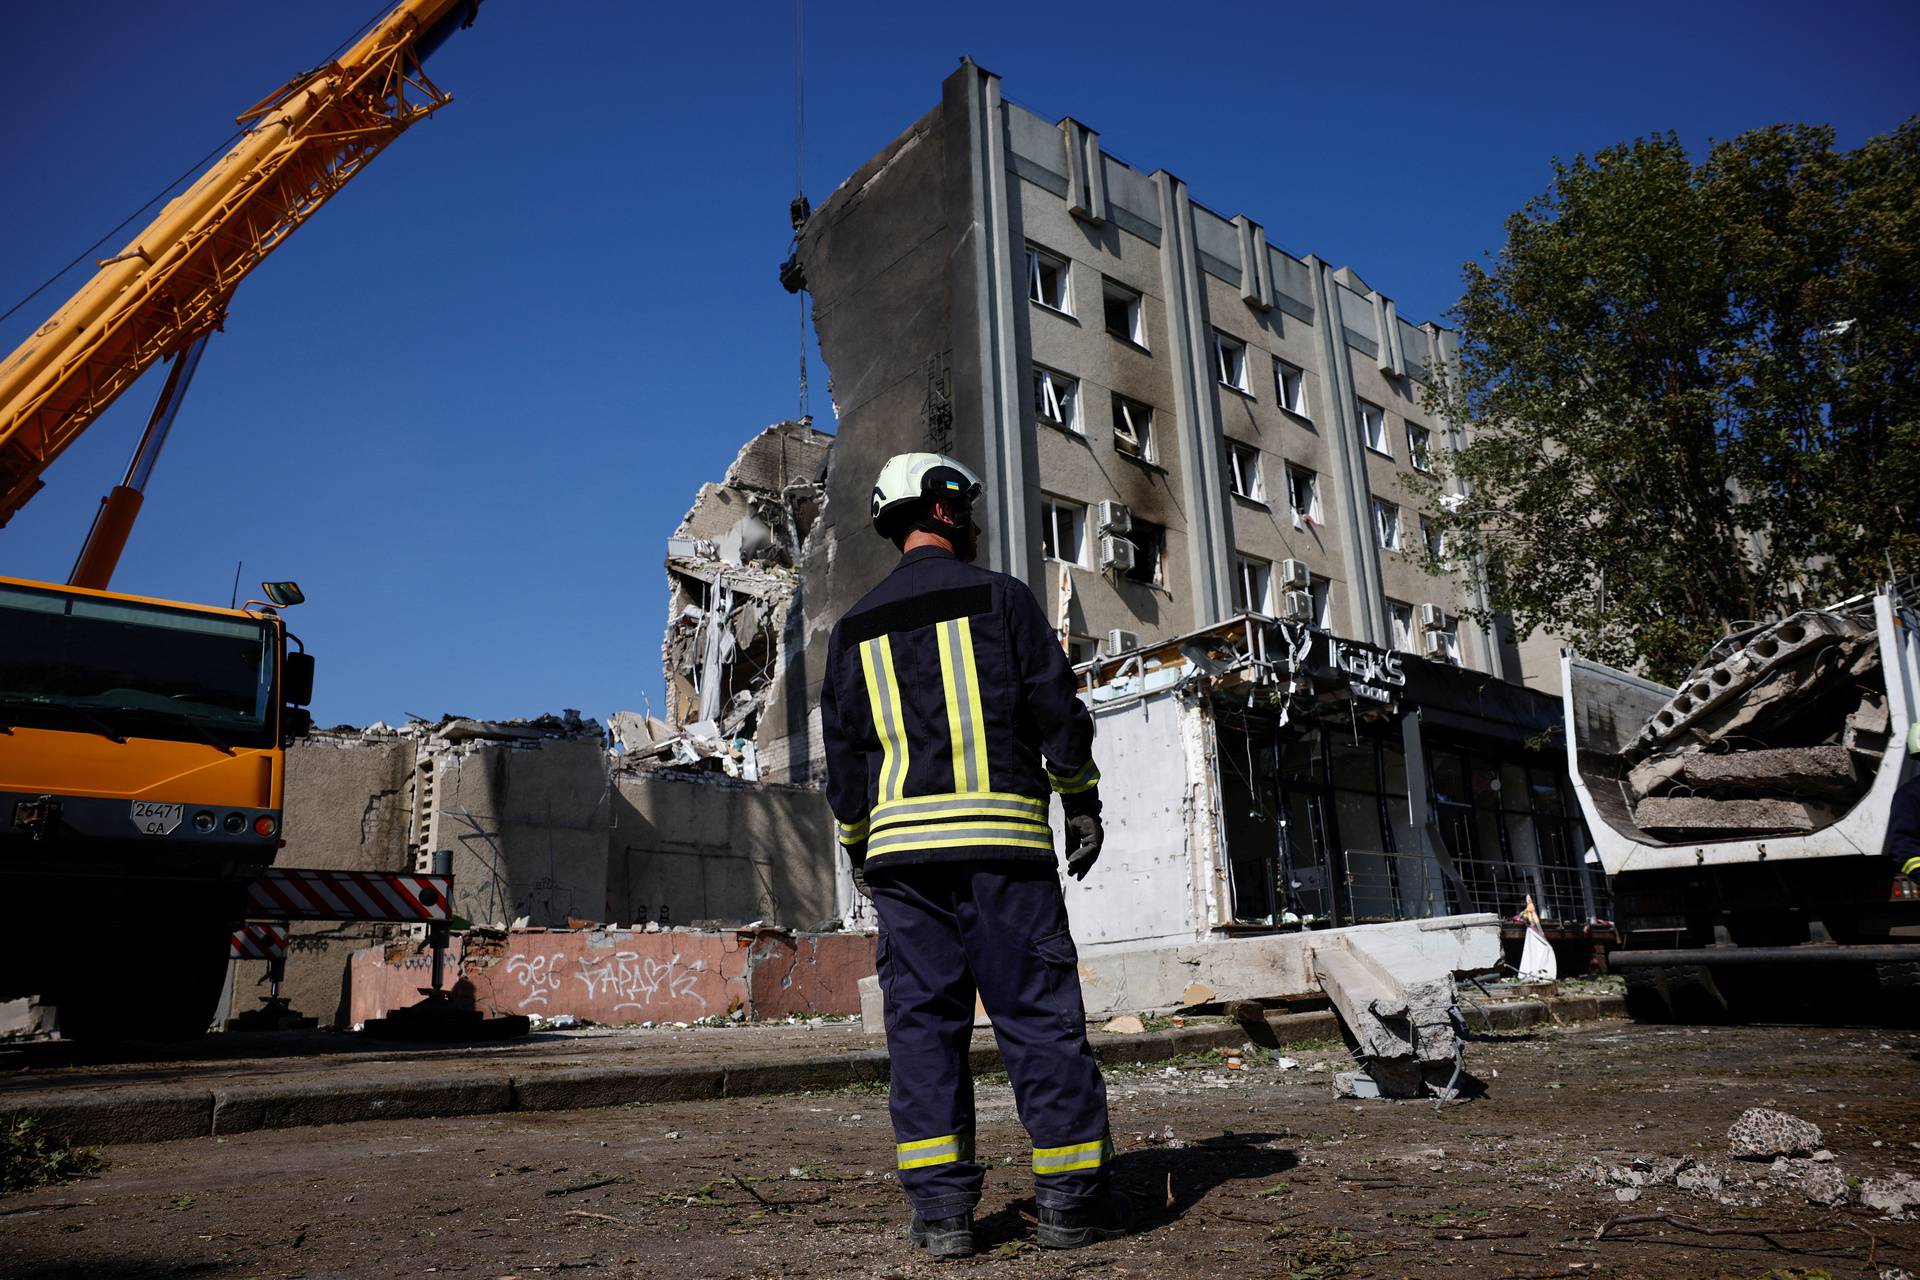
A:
x: 731, y: 566
x: 1780, y: 736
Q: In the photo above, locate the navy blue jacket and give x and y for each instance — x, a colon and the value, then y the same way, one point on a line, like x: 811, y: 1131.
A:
x: 1903, y: 828
x: 948, y: 713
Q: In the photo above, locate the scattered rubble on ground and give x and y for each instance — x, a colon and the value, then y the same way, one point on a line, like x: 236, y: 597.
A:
x: 1779, y: 736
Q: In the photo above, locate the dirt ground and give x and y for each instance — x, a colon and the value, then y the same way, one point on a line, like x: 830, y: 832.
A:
x: 1260, y: 1172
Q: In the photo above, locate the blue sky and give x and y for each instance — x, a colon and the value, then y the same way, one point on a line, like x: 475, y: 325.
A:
x: 465, y: 405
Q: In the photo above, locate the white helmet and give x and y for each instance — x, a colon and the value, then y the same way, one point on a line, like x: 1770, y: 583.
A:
x: 909, y: 479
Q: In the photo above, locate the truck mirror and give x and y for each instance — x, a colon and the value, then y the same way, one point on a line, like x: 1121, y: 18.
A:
x: 283, y: 594
x: 295, y: 722
x: 296, y: 680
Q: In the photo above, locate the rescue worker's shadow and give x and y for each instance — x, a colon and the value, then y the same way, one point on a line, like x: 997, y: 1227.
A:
x: 1162, y: 1183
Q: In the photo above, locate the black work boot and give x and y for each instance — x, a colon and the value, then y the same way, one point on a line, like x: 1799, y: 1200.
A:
x: 943, y: 1237
x: 1074, y: 1228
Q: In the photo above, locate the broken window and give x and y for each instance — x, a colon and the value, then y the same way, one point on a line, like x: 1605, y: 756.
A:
x: 1123, y: 312
x: 1047, y: 280
x: 1431, y: 537
x: 1419, y: 447
x: 1230, y: 361
x: 1400, y: 623
x: 1290, y: 384
x: 1244, y: 462
x: 1081, y: 649
x: 1446, y: 643
x: 1132, y: 428
x: 1149, y: 546
x: 1373, y: 427
x: 1063, y: 526
x: 1303, y: 496
x: 1386, y: 525
x: 1322, y: 592
x: 1253, y: 586
x: 1056, y: 398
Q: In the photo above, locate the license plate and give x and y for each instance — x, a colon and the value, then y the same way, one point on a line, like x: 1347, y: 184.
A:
x: 157, y: 819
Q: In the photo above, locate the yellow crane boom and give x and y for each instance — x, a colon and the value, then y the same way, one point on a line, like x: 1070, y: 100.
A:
x: 168, y: 289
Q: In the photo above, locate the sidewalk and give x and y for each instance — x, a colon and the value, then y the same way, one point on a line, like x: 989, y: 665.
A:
x: 233, y: 1084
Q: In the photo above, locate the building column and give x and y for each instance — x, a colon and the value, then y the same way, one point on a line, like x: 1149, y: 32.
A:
x: 1196, y: 406
x: 1366, y: 603
x: 1486, y: 637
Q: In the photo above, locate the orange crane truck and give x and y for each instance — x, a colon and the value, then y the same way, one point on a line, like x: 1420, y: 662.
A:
x: 142, y: 741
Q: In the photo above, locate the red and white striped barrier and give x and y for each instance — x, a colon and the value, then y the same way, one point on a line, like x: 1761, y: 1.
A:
x: 398, y: 898
x: 259, y: 942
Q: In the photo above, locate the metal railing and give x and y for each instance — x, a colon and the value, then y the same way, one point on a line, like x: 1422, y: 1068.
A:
x: 1411, y: 886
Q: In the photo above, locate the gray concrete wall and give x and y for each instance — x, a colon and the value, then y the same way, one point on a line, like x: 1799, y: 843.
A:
x: 703, y: 849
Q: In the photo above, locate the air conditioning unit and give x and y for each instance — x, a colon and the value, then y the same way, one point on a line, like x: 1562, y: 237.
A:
x: 1116, y: 554
x: 1294, y: 574
x: 1434, y: 645
x: 1299, y: 606
x: 1434, y: 618
x: 1115, y: 517
x: 1119, y: 642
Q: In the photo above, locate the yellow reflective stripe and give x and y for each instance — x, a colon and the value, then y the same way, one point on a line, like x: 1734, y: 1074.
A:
x: 943, y: 837
x: 889, y: 718
x: 941, y: 803
x: 1085, y: 778
x: 970, y: 690
x: 1912, y: 867
x: 853, y: 832
x: 1079, y: 1155
x: 931, y: 1151
x: 956, y: 716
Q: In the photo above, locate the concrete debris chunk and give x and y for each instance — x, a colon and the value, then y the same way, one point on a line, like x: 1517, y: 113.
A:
x: 1703, y: 814
x: 1893, y: 1195
x: 1126, y: 1024
x: 1760, y: 1134
x: 1794, y: 771
x: 1824, y: 1185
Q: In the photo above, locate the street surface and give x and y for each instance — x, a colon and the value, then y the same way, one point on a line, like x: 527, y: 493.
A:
x: 1260, y: 1172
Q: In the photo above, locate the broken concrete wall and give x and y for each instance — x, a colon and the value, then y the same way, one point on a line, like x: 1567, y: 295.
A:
x: 695, y: 848
x: 347, y: 808
x: 627, y: 976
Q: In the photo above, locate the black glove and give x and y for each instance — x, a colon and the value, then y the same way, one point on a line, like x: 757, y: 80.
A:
x: 860, y: 882
x: 1085, y: 835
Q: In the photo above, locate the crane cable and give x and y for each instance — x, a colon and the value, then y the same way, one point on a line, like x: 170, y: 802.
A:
x: 798, y: 211
x: 199, y: 166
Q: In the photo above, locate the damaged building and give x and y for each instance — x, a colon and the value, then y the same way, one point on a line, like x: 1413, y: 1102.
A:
x: 1186, y: 433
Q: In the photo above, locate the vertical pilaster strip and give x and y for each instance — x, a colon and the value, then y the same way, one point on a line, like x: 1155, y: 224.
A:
x: 1256, y: 275
x: 1383, y: 357
x: 1390, y: 340
x: 1196, y: 403
x: 1096, y: 176
x: 1445, y: 348
x: 994, y: 274
x: 1366, y: 612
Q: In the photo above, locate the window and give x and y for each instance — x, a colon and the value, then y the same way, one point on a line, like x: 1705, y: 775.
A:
x: 1149, y: 545
x: 1230, y: 361
x: 1373, y: 427
x: 1386, y: 525
x: 1056, y: 398
x: 1133, y: 428
x: 1322, y: 592
x: 1252, y: 586
x: 1123, y: 312
x: 1291, y: 386
x: 1303, y: 496
x: 1047, y: 277
x: 1448, y: 647
x: 1063, y: 531
x: 1244, y: 460
x: 1080, y: 649
x: 1431, y: 537
x: 1419, y: 447
x: 1400, y: 621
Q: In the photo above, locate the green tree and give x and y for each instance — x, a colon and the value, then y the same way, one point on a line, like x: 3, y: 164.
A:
x: 1689, y: 391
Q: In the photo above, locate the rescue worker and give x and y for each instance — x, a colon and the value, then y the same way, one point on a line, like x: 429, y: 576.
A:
x: 1903, y: 830
x: 948, y: 714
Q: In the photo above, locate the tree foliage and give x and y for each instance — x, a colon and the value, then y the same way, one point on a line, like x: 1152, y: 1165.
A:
x: 1689, y: 393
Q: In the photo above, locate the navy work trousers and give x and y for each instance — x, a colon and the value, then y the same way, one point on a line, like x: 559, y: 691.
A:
x: 948, y: 929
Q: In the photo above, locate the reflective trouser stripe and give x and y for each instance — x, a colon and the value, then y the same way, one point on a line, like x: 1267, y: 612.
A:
x: 932, y: 1151
x: 1085, y: 778
x: 947, y: 835
x: 1912, y: 867
x: 1080, y: 1155
x: 986, y: 804
x: 966, y: 726
x: 889, y: 720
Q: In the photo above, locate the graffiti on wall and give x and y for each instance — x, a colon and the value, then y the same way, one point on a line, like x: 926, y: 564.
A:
x: 538, y: 976
x: 635, y: 979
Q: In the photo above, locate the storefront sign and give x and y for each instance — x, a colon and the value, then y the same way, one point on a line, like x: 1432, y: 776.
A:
x: 1371, y: 673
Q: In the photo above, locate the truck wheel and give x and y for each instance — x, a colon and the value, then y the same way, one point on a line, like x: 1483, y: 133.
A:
x: 170, y: 991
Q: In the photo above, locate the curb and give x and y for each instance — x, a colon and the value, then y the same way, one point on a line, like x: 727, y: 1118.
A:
x: 142, y: 1114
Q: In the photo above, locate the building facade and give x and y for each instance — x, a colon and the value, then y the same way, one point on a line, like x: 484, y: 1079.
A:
x: 1178, y: 424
